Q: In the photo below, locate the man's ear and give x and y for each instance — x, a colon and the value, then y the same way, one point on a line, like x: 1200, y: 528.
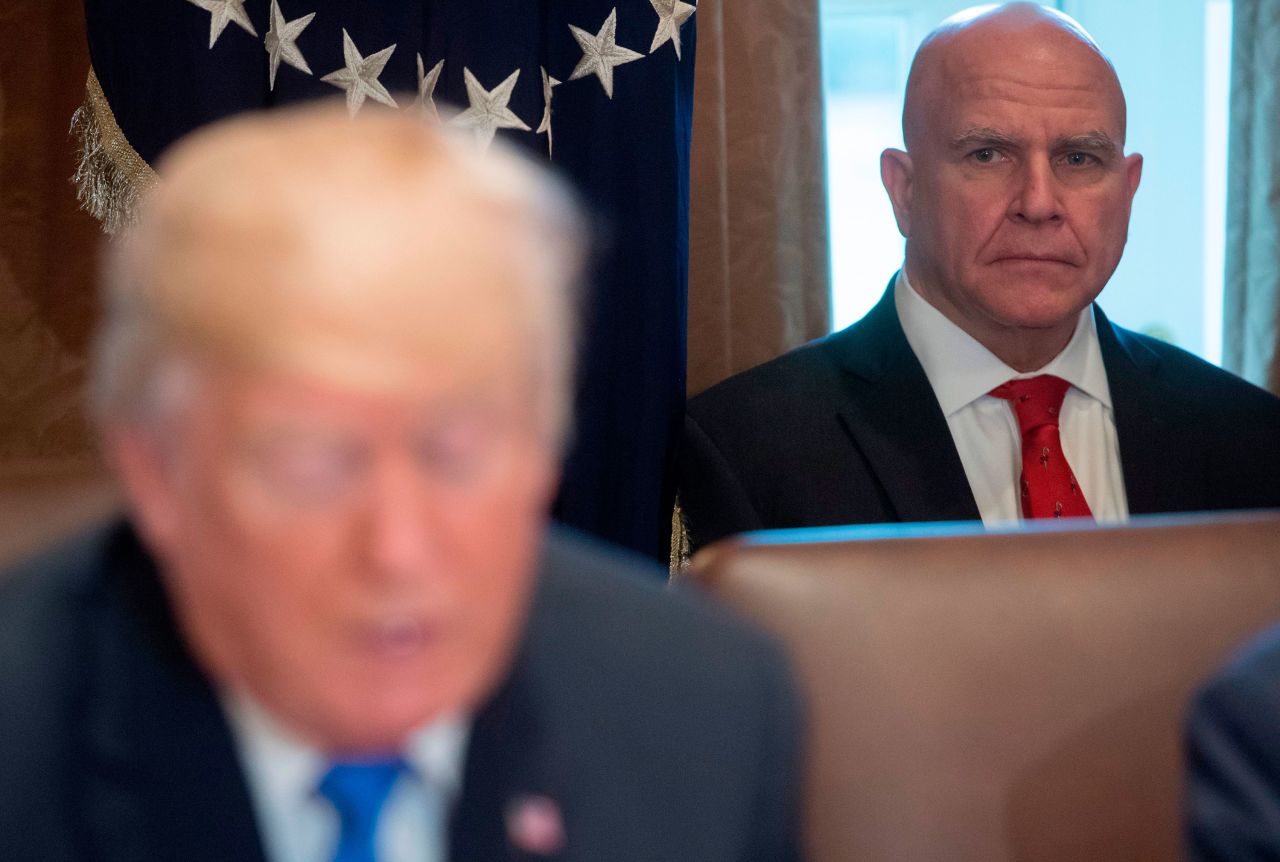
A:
x: 895, y: 173
x: 1133, y: 173
x: 144, y: 463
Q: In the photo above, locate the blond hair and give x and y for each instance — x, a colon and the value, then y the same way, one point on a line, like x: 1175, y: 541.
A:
x: 349, y: 248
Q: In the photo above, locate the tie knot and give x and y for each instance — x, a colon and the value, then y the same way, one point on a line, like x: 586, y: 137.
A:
x: 1036, y: 400
x: 358, y: 790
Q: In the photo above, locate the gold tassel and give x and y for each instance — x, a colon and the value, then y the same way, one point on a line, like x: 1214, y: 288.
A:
x: 679, y: 542
x: 111, y: 177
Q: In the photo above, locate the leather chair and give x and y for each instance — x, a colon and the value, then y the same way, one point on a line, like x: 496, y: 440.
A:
x: 38, y: 509
x: 998, y: 696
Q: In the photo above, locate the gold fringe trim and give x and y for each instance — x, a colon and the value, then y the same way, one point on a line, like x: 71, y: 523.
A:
x: 679, y: 542
x: 111, y: 177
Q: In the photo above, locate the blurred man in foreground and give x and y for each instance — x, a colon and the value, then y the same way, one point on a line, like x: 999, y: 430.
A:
x: 986, y: 384
x: 1233, y: 757
x: 333, y: 377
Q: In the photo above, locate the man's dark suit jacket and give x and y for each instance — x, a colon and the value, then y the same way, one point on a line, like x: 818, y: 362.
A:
x: 662, y: 729
x: 1233, y: 759
x: 846, y: 430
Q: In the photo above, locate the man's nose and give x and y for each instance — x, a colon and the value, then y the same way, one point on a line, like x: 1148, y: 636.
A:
x: 402, y: 526
x: 1036, y: 195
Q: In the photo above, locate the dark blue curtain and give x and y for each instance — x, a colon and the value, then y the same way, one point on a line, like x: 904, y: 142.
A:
x: 626, y: 152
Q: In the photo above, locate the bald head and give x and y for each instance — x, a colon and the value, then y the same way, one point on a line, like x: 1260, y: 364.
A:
x: 1014, y: 190
x: 972, y: 46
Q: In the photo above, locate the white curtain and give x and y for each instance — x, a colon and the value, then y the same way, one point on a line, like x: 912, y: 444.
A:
x: 1251, y: 320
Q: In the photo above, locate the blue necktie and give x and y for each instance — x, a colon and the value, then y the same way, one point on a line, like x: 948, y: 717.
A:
x: 358, y: 791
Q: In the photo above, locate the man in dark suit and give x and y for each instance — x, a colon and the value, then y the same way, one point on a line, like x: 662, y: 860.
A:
x: 1233, y: 760
x: 332, y: 377
x: 986, y: 383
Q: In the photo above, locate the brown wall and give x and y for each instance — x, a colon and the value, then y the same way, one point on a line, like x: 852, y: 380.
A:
x: 47, y: 245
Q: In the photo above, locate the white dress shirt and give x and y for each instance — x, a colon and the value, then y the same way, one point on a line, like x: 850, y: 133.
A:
x: 298, y: 825
x: 962, y: 372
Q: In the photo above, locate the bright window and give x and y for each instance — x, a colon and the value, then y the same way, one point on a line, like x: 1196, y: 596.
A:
x: 1174, y: 62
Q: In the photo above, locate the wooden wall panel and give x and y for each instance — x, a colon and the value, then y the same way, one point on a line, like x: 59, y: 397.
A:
x: 47, y: 245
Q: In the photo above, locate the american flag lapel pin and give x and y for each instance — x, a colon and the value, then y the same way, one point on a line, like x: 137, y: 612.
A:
x: 534, y: 825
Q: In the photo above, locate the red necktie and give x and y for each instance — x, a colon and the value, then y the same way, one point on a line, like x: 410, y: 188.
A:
x: 1049, y: 488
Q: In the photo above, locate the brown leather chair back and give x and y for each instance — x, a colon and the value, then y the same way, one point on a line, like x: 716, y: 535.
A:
x: 1001, y: 696
x: 40, y: 509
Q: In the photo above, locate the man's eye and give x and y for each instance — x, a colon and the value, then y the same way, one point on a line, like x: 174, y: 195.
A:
x: 1079, y: 160
x: 457, y: 452
x: 986, y: 155
x: 309, y: 474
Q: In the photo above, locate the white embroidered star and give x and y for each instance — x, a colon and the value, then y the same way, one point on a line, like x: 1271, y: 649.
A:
x: 548, y: 84
x: 488, y: 111
x: 360, y: 75
x: 281, y: 41
x: 671, y: 16
x: 601, y: 52
x: 427, y: 87
x: 221, y: 13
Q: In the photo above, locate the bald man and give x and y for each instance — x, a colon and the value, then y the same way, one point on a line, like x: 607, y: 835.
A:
x: 333, y: 377
x: 986, y: 383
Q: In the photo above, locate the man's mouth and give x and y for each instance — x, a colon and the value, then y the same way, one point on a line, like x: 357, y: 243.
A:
x: 395, y: 637
x: 1034, y: 258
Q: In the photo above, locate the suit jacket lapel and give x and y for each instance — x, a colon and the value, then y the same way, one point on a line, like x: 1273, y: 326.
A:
x: 161, y: 779
x: 509, y: 762
x: 894, y: 419
x: 1162, y: 462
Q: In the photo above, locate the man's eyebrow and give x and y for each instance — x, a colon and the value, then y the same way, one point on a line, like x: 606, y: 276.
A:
x: 982, y: 137
x: 1096, y: 141
x: 976, y: 138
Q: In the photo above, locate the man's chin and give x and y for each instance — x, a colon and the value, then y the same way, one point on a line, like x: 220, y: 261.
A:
x: 1044, y: 305
x: 372, y: 728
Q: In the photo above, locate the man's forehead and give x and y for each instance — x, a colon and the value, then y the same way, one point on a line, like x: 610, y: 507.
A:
x: 1008, y: 101
x: 1022, y: 94
x: 250, y: 402
x: 1012, y: 62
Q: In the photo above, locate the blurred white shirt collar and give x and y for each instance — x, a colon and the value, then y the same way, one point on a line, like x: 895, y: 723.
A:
x: 297, y: 825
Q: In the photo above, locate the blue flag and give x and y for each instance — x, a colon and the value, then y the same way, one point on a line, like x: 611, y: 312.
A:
x: 601, y: 88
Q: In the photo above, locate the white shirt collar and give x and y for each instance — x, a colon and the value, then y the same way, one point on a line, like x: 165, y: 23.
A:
x: 961, y: 370
x: 280, y: 766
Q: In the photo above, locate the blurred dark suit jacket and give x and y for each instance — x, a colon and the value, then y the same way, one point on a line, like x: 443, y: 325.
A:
x: 846, y: 430
x: 1233, y: 757
x: 662, y: 729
